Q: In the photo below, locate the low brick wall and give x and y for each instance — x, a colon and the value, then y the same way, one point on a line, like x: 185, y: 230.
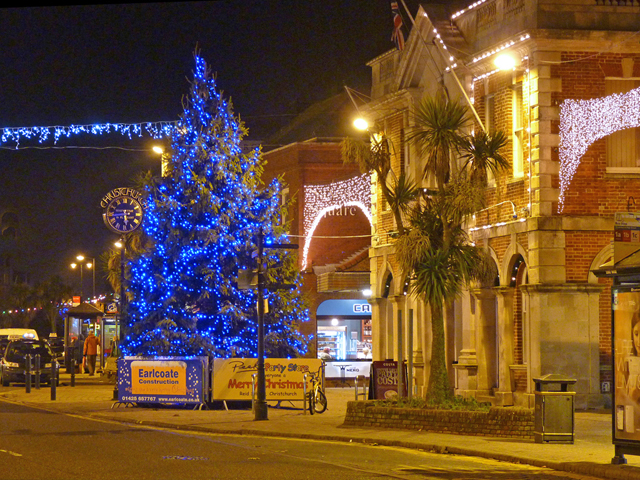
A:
x: 497, y: 422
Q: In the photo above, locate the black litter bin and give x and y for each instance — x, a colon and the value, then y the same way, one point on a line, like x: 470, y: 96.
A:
x: 554, y: 414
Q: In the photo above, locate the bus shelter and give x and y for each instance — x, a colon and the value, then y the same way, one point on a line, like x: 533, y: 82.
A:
x: 625, y: 335
x: 78, y: 321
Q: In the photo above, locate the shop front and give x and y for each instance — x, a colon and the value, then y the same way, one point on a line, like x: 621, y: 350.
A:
x: 344, y: 338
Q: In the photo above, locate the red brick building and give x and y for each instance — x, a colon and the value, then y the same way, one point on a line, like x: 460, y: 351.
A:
x: 570, y: 108
x: 330, y: 221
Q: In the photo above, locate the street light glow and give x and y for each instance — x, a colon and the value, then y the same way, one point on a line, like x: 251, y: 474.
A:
x: 505, y: 61
x: 158, y: 149
x: 361, y: 124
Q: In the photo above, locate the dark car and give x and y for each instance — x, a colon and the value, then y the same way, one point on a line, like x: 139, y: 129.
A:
x: 57, y: 347
x: 3, y: 346
x: 12, y: 365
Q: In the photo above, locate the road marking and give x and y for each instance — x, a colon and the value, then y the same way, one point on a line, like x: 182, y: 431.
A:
x: 11, y: 453
x: 181, y: 457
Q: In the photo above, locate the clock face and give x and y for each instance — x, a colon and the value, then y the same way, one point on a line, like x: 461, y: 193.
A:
x: 123, y: 214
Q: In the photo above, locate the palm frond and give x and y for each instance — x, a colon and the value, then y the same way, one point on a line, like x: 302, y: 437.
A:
x: 436, y: 134
x: 482, y: 152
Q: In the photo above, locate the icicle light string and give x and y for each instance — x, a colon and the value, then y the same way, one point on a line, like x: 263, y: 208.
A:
x: 16, y: 135
x: 321, y: 199
x: 583, y: 122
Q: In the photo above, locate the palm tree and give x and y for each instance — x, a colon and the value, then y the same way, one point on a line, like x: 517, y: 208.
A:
x: 482, y: 153
x: 399, y: 192
x: 49, y: 296
x: 435, y: 253
x: 438, y: 134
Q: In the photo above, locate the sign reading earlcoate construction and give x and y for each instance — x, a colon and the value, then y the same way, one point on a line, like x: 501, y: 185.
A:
x: 162, y: 379
x: 284, y: 378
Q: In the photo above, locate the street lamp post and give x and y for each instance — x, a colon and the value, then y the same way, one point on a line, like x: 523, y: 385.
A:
x: 74, y: 265
x: 120, y: 244
x: 91, y: 264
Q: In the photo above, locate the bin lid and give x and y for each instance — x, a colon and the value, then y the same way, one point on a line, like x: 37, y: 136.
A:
x: 555, y: 378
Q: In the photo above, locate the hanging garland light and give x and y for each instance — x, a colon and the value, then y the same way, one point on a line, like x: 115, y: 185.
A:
x: 321, y: 199
x: 583, y: 122
x: 15, y: 135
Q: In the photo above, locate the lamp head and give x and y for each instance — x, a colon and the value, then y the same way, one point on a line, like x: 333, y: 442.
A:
x: 505, y: 61
x: 361, y: 124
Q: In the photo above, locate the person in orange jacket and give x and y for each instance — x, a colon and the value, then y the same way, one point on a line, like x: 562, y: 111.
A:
x: 91, y: 351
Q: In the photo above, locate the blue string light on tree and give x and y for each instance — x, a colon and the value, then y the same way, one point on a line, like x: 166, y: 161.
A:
x: 200, y: 225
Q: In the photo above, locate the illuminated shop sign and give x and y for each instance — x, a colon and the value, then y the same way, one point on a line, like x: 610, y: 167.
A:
x: 344, y: 308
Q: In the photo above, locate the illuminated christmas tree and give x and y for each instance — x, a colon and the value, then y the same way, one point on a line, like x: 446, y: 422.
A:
x: 201, y: 224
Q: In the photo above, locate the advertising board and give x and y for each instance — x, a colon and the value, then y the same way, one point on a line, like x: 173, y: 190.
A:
x: 162, y: 379
x: 284, y: 378
x: 626, y: 357
x: 384, y: 380
x: 347, y: 370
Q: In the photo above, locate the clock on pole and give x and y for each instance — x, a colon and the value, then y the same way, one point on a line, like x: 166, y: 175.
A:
x: 123, y: 213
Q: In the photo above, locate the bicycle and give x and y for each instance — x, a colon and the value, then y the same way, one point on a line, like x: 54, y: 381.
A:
x: 316, y: 398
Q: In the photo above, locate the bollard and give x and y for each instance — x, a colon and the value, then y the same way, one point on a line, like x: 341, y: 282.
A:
x: 37, y: 371
x: 27, y: 372
x: 54, y: 379
x: 73, y: 372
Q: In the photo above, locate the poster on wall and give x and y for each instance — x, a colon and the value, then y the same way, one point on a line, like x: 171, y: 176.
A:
x: 626, y: 358
x: 284, y: 378
x: 162, y: 379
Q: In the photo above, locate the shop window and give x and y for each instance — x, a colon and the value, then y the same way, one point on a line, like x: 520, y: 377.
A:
x: 623, y: 147
x: 518, y: 136
x: 489, y: 113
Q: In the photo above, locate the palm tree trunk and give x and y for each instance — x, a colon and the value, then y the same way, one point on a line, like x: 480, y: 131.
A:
x: 439, y: 389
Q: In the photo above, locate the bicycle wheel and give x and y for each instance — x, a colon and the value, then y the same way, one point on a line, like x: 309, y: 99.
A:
x: 320, y: 401
x: 310, y: 402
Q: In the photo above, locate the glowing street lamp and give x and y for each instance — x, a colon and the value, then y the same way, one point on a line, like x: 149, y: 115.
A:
x: 80, y: 259
x: 505, y: 61
x: 361, y: 124
x: 164, y: 159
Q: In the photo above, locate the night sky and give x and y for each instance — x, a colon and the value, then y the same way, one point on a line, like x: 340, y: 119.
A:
x: 130, y: 63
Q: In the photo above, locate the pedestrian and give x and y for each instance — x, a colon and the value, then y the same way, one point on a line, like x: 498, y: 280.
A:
x: 91, y: 345
x: 325, y: 354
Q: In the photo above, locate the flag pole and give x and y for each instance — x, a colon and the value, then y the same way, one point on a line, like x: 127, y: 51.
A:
x: 446, y: 59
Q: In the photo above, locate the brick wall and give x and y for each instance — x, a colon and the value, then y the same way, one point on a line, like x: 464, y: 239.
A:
x: 497, y: 422
x: 592, y: 192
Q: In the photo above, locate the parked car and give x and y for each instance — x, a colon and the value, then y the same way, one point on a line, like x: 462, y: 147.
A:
x: 3, y: 346
x: 57, y: 347
x: 17, y: 333
x: 13, y: 364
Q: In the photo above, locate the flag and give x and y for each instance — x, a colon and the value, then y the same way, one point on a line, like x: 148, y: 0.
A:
x: 397, y: 36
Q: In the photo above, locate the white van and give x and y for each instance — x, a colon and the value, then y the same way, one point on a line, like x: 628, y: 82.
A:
x: 16, y: 333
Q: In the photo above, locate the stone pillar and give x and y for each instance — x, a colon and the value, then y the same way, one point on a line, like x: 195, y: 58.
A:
x: 467, y: 361
x: 420, y: 347
x: 486, y: 340
x: 398, y: 303
x: 505, y: 295
x: 378, y: 331
x: 562, y: 336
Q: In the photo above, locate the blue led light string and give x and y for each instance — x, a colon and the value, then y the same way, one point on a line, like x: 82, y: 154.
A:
x: 15, y: 135
x: 201, y: 222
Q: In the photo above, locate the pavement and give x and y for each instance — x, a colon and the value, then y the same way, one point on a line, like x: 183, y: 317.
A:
x: 590, y: 454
